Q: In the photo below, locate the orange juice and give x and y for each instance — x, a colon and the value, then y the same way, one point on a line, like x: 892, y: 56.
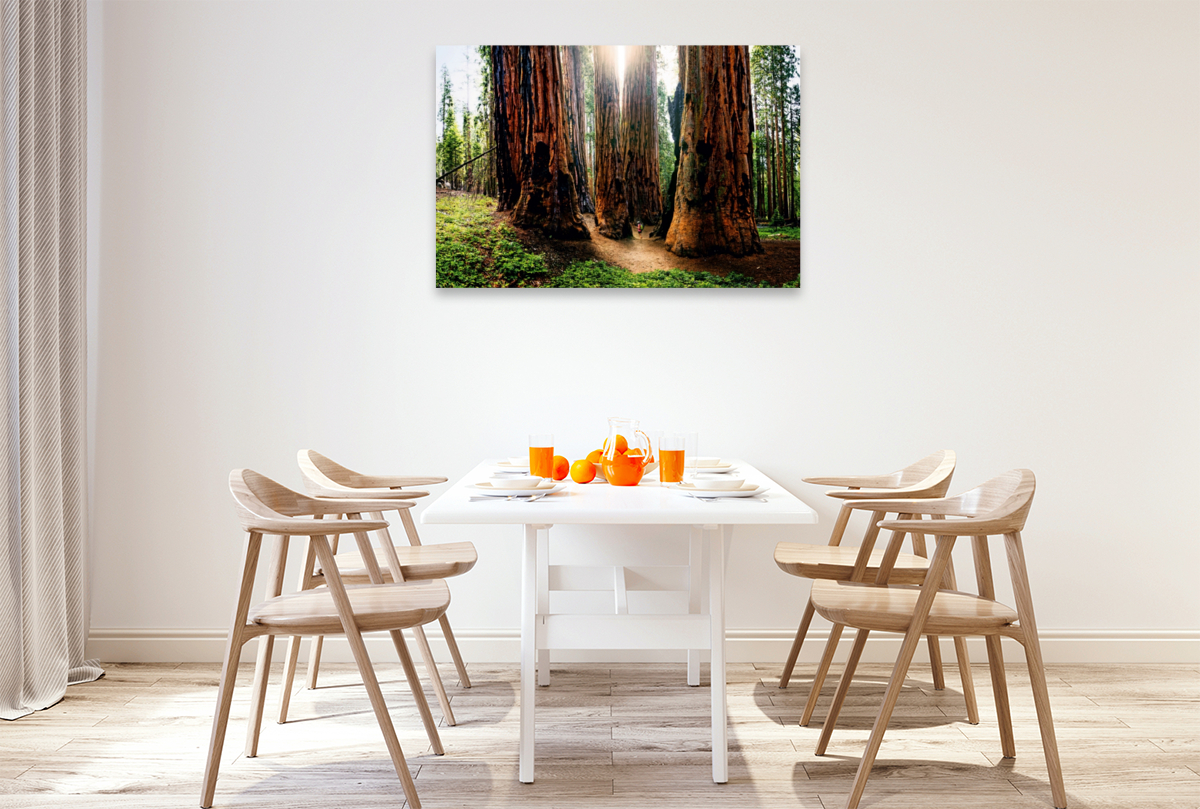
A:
x: 670, y: 465
x: 624, y: 470
x: 541, y: 461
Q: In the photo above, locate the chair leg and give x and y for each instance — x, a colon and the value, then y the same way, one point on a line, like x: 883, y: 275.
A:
x: 935, y: 662
x: 964, y: 658
x: 835, y: 634
x: 314, y: 661
x: 220, y: 722
x: 1037, y: 669
x: 258, y: 694
x: 435, y: 677
x: 839, y: 697
x: 464, y: 679
x: 1008, y: 743
x: 790, y: 663
x: 968, y: 682
x: 262, y: 666
x: 414, y: 684
x: 289, y: 676
x: 367, y: 671
x: 895, y: 685
x: 912, y: 638
x: 233, y: 651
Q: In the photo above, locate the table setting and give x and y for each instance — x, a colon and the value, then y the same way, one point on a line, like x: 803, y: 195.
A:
x: 631, y: 479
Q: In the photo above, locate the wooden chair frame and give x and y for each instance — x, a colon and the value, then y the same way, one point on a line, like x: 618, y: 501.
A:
x: 326, y: 478
x: 997, y: 508
x: 928, y: 477
x: 268, y: 509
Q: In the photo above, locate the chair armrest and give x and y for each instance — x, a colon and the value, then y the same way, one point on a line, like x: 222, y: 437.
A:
x: 397, y: 481
x: 360, y: 494
x: 348, y: 505
x: 308, y: 528
x: 878, y: 494
x: 915, y: 505
x: 949, y: 528
x: 855, y: 481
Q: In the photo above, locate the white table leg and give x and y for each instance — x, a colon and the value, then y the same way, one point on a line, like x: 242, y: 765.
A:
x: 529, y: 562
x: 695, y: 567
x: 716, y: 608
x: 543, y: 598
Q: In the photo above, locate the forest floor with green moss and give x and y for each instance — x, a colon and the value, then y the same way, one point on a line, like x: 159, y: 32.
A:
x: 476, y: 247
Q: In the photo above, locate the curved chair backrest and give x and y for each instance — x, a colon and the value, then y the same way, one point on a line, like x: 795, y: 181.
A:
x: 928, y: 477
x: 935, y: 468
x: 1003, y: 500
x: 999, y: 506
x: 261, y: 500
x: 326, y: 477
x: 266, y: 507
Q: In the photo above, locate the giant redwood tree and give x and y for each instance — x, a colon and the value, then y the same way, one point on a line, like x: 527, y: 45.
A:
x: 714, y: 208
x: 536, y: 141
x: 639, y: 134
x: 575, y: 121
x: 612, y: 210
x: 508, y: 123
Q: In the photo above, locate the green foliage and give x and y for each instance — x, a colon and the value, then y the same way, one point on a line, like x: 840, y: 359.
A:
x: 778, y: 232
x: 666, y: 143
x: 595, y: 274
x: 449, y: 152
x: 474, y: 250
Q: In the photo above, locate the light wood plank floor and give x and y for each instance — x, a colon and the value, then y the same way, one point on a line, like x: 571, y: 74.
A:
x: 610, y: 736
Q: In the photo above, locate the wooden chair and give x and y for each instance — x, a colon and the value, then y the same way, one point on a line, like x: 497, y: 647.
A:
x: 928, y: 477
x: 998, y: 507
x: 264, y: 507
x: 406, y: 563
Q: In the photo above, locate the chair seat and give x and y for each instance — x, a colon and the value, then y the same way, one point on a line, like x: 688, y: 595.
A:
x: 417, y: 562
x: 837, y: 563
x: 376, y: 607
x: 889, y: 608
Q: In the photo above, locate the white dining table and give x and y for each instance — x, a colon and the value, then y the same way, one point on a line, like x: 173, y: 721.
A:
x: 597, y: 503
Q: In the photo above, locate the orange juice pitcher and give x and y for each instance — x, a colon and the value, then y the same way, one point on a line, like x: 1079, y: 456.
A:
x: 627, y: 452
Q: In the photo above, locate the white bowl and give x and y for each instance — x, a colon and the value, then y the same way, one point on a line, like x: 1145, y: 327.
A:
x: 700, y: 463
x: 519, y: 461
x: 722, y: 483
x: 518, y: 482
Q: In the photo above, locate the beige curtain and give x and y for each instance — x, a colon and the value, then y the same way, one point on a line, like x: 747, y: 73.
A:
x: 43, y: 496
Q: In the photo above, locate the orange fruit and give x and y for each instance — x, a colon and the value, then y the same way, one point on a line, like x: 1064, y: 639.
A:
x: 595, y: 455
x: 583, y: 471
x: 622, y: 444
x: 560, y: 467
x: 634, y: 451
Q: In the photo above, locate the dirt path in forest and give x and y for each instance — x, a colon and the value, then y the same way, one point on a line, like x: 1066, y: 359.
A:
x: 778, y: 264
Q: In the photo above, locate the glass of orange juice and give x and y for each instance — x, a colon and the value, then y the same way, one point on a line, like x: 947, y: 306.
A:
x: 541, y: 455
x: 670, y: 457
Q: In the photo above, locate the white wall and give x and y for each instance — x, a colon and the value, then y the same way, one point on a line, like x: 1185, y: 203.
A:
x: 1001, y: 253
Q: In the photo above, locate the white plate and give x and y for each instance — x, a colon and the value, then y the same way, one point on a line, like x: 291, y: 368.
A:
x: 709, y: 470
x: 509, y: 466
x: 498, y: 489
x: 708, y: 465
x: 747, y: 490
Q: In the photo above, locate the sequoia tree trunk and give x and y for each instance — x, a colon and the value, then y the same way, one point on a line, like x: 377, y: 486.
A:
x: 714, y: 208
x: 508, y: 123
x: 576, y: 123
x: 612, y: 210
x: 547, y: 198
x: 639, y: 134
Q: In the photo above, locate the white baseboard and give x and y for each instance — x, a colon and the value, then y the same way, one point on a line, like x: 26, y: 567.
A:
x: 742, y: 646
